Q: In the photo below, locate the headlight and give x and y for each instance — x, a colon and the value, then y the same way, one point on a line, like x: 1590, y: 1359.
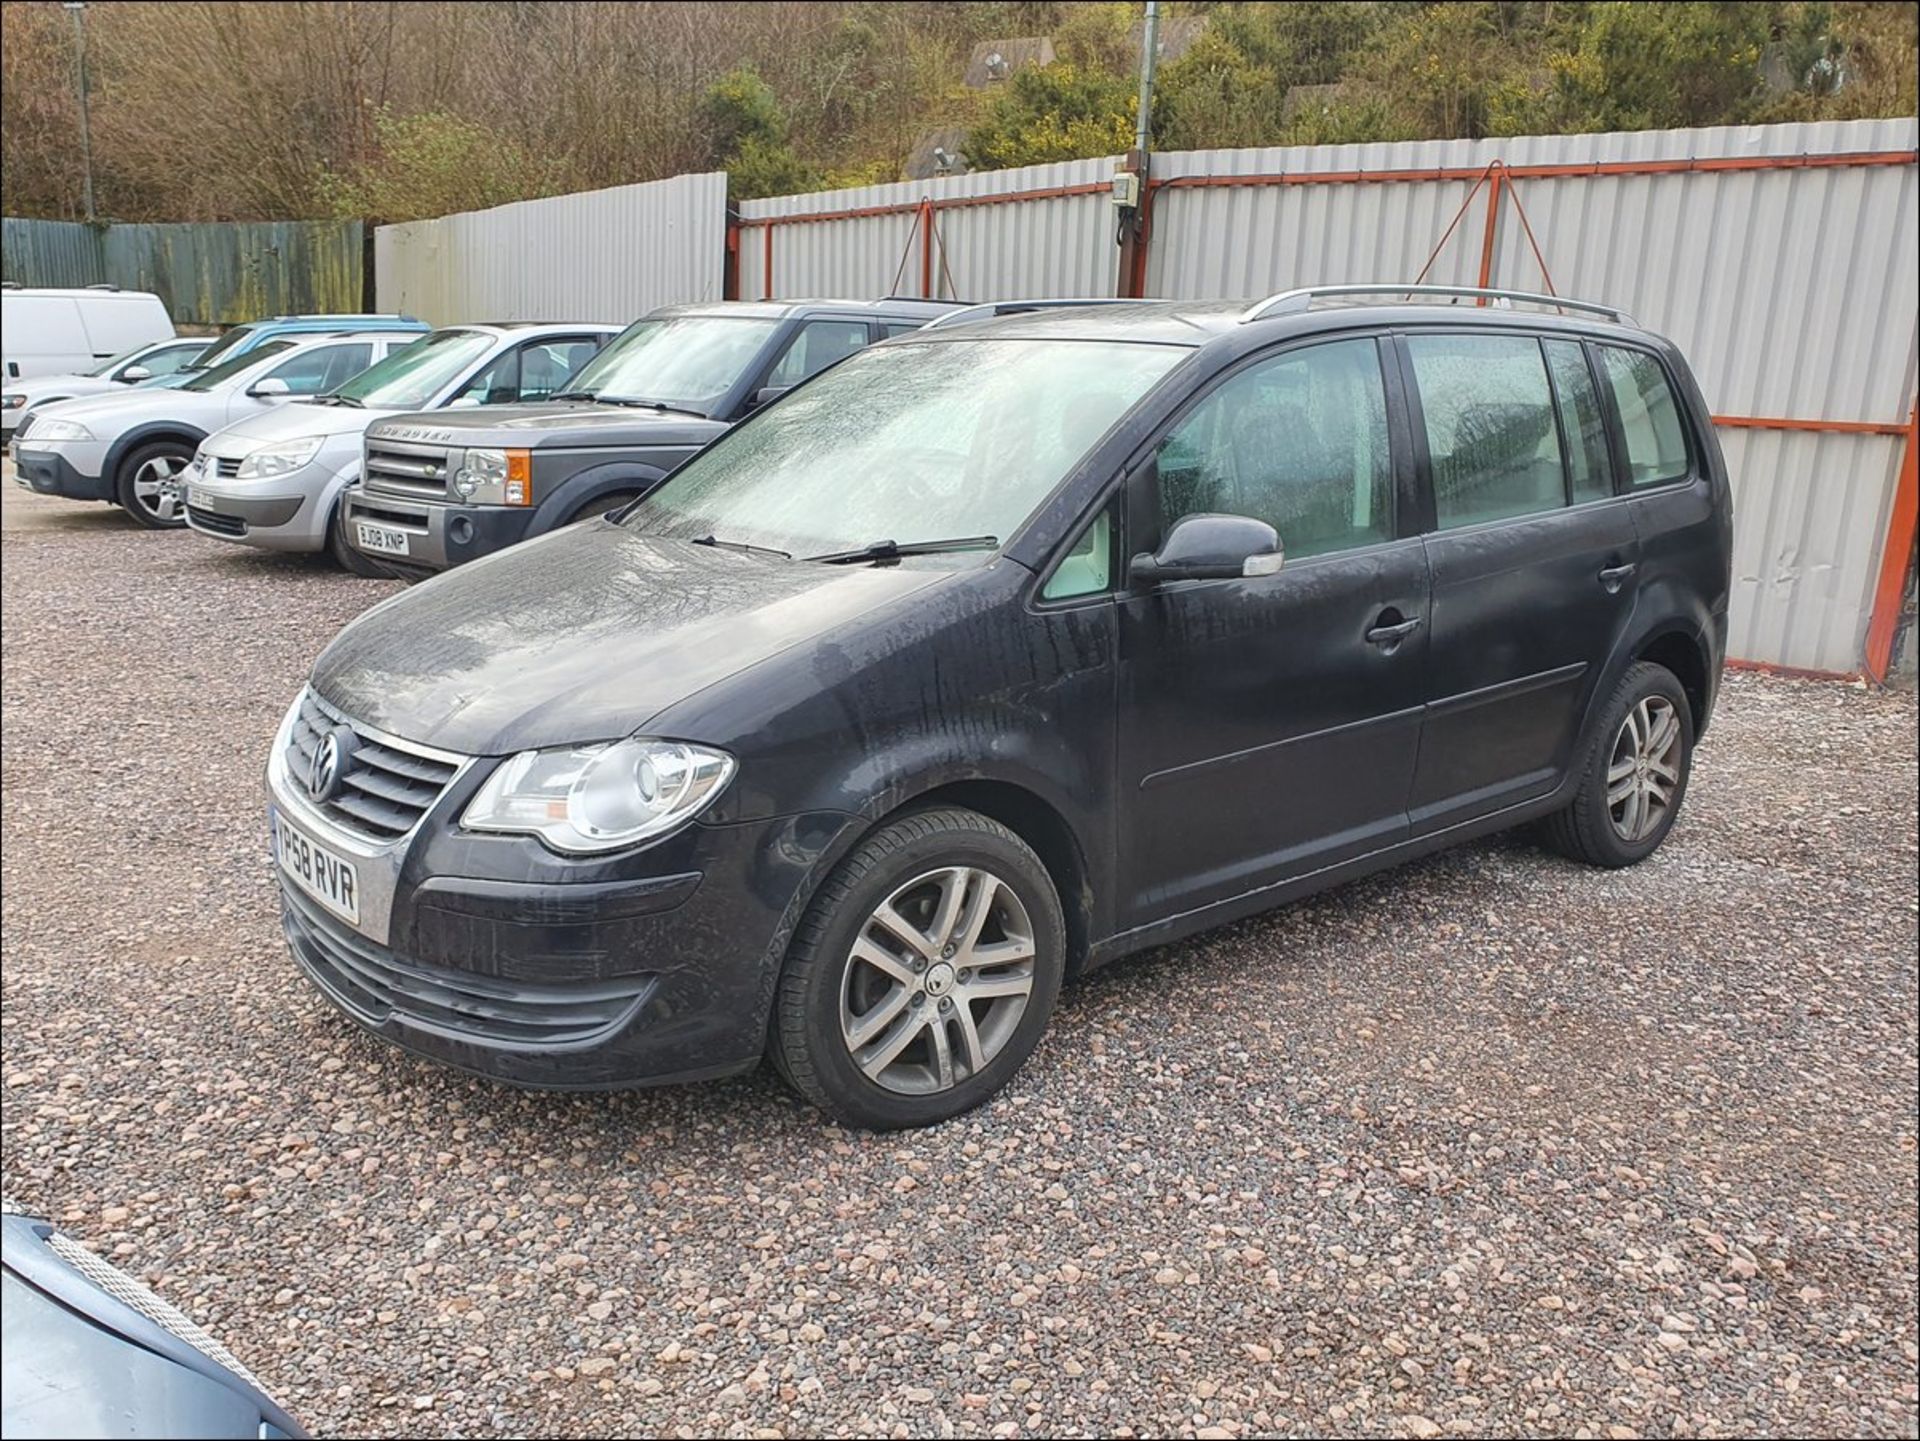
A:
x: 12, y: 402
x: 48, y: 428
x: 496, y: 477
x: 278, y: 458
x: 584, y: 799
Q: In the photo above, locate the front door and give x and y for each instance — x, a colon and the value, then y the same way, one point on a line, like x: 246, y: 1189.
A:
x: 1534, y: 561
x: 1269, y: 726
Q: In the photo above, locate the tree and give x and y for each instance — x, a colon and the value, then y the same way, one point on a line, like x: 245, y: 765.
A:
x: 1054, y: 112
x: 747, y: 137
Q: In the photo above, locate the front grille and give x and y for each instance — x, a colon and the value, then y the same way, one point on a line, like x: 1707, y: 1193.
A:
x: 406, y: 469
x: 374, y: 985
x: 215, y: 522
x: 384, y: 790
x: 226, y: 466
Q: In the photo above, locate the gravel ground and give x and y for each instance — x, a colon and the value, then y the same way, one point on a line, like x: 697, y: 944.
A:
x: 1490, y: 1144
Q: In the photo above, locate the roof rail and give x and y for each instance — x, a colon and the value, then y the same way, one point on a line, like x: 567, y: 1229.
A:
x: 1018, y: 307
x: 1294, y: 302
x: 103, y: 285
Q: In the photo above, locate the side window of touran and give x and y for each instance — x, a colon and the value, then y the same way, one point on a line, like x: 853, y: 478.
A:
x: 1299, y: 441
x: 1649, y: 416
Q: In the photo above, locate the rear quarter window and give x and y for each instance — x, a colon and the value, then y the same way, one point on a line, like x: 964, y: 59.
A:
x: 1655, y: 437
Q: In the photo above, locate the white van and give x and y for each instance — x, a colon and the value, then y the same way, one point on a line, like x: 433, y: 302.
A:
x: 47, y: 332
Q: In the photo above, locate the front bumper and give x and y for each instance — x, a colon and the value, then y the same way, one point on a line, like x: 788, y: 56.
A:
x: 439, y: 535
x: 72, y: 470
x: 286, y: 513
x: 494, y: 955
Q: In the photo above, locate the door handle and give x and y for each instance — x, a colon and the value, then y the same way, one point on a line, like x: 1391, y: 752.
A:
x: 1391, y: 635
x: 1615, y: 576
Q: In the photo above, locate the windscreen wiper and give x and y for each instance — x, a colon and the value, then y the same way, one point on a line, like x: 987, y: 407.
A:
x: 741, y: 545
x: 573, y: 395
x: 339, y: 400
x: 893, y: 549
x: 634, y: 403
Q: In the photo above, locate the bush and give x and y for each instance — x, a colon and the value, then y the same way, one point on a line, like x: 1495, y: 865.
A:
x: 435, y: 164
x: 1054, y: 112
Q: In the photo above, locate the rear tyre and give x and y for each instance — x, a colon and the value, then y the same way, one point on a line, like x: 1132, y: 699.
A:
x: 601, y: 505
x: 149, y: 487
x: 345, y: 556
x: 923, y: 973
x: 1634, y: 774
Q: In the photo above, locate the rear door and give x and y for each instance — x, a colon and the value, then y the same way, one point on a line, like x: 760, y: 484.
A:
x: 1534, y: 559
x: 1269, y: 725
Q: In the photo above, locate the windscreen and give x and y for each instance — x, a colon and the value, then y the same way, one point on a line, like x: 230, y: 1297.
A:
x: 226, y: 370
x: 906, y: 443
x: 684, y: 362
x: 223, y: 347
x: 411, y: 377
x: 107, y: 367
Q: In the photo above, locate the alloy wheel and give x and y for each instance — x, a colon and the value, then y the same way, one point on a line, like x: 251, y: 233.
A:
x: 937, y: 980
x: 1643, y: 773
x: 157, y: 488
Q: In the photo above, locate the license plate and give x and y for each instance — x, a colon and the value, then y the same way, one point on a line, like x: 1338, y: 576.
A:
x: 317, y: 870
x: 380, y: 538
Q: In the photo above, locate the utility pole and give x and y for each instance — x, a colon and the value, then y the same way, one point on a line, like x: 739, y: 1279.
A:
x: 1149, y: 54
x: 78, y: 9
x: 1130, y: 185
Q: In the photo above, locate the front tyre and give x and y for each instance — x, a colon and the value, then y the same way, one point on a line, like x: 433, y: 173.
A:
x: 149, y: 486
x: 923, y: 973
x: 1634, y: 774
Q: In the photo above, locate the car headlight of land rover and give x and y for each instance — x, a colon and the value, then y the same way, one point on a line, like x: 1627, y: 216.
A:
x: 48, y: 428
x: 584, y: 799
x: 278, y: 459
x: 495, y: 477
x: 12, y: 401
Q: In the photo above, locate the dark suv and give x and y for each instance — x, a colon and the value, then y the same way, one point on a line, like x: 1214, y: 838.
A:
x: 441, y: 488
x: 978, y: 660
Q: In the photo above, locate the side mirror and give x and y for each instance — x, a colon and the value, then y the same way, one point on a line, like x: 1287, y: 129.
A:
x: 464, y: 402
x: 1211, y: 547
x: 134, y: 374
x: 269, y: 389
x: 767, y: 394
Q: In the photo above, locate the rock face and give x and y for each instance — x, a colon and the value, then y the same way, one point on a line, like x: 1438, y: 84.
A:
x: 994, y: 60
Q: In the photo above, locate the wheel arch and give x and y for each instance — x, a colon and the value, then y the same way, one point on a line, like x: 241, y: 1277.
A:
x: 587, y: 486
x: 117, y: 453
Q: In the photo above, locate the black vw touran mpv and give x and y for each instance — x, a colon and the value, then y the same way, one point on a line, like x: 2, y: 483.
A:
x: 1040, y: 635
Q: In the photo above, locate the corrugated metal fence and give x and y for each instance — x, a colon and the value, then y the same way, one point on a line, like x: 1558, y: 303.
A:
x: 208, y: 274
x: 998, y: 235
x: 602, y: 255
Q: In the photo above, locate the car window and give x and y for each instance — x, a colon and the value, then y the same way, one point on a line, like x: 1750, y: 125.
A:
x: 412, y: 374
x: 1582, y: 423
x: 901, y: 327
x: 687, y: 362
x: 815, y: 346
x: 960, y: 438
x: 1656, y: 441
x: 315, y: 371
x: 547, y: 365
x: 1299, y: 441
x: 529, y: 372
x: 204, y: 380
x: 170, y: 358
x: 1087, y: 567
x: 227, y: 346
x: 1491, y: 435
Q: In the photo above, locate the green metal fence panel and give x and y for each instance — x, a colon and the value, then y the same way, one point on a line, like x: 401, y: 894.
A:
x: 208, y: 274
x: 50, y: 252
